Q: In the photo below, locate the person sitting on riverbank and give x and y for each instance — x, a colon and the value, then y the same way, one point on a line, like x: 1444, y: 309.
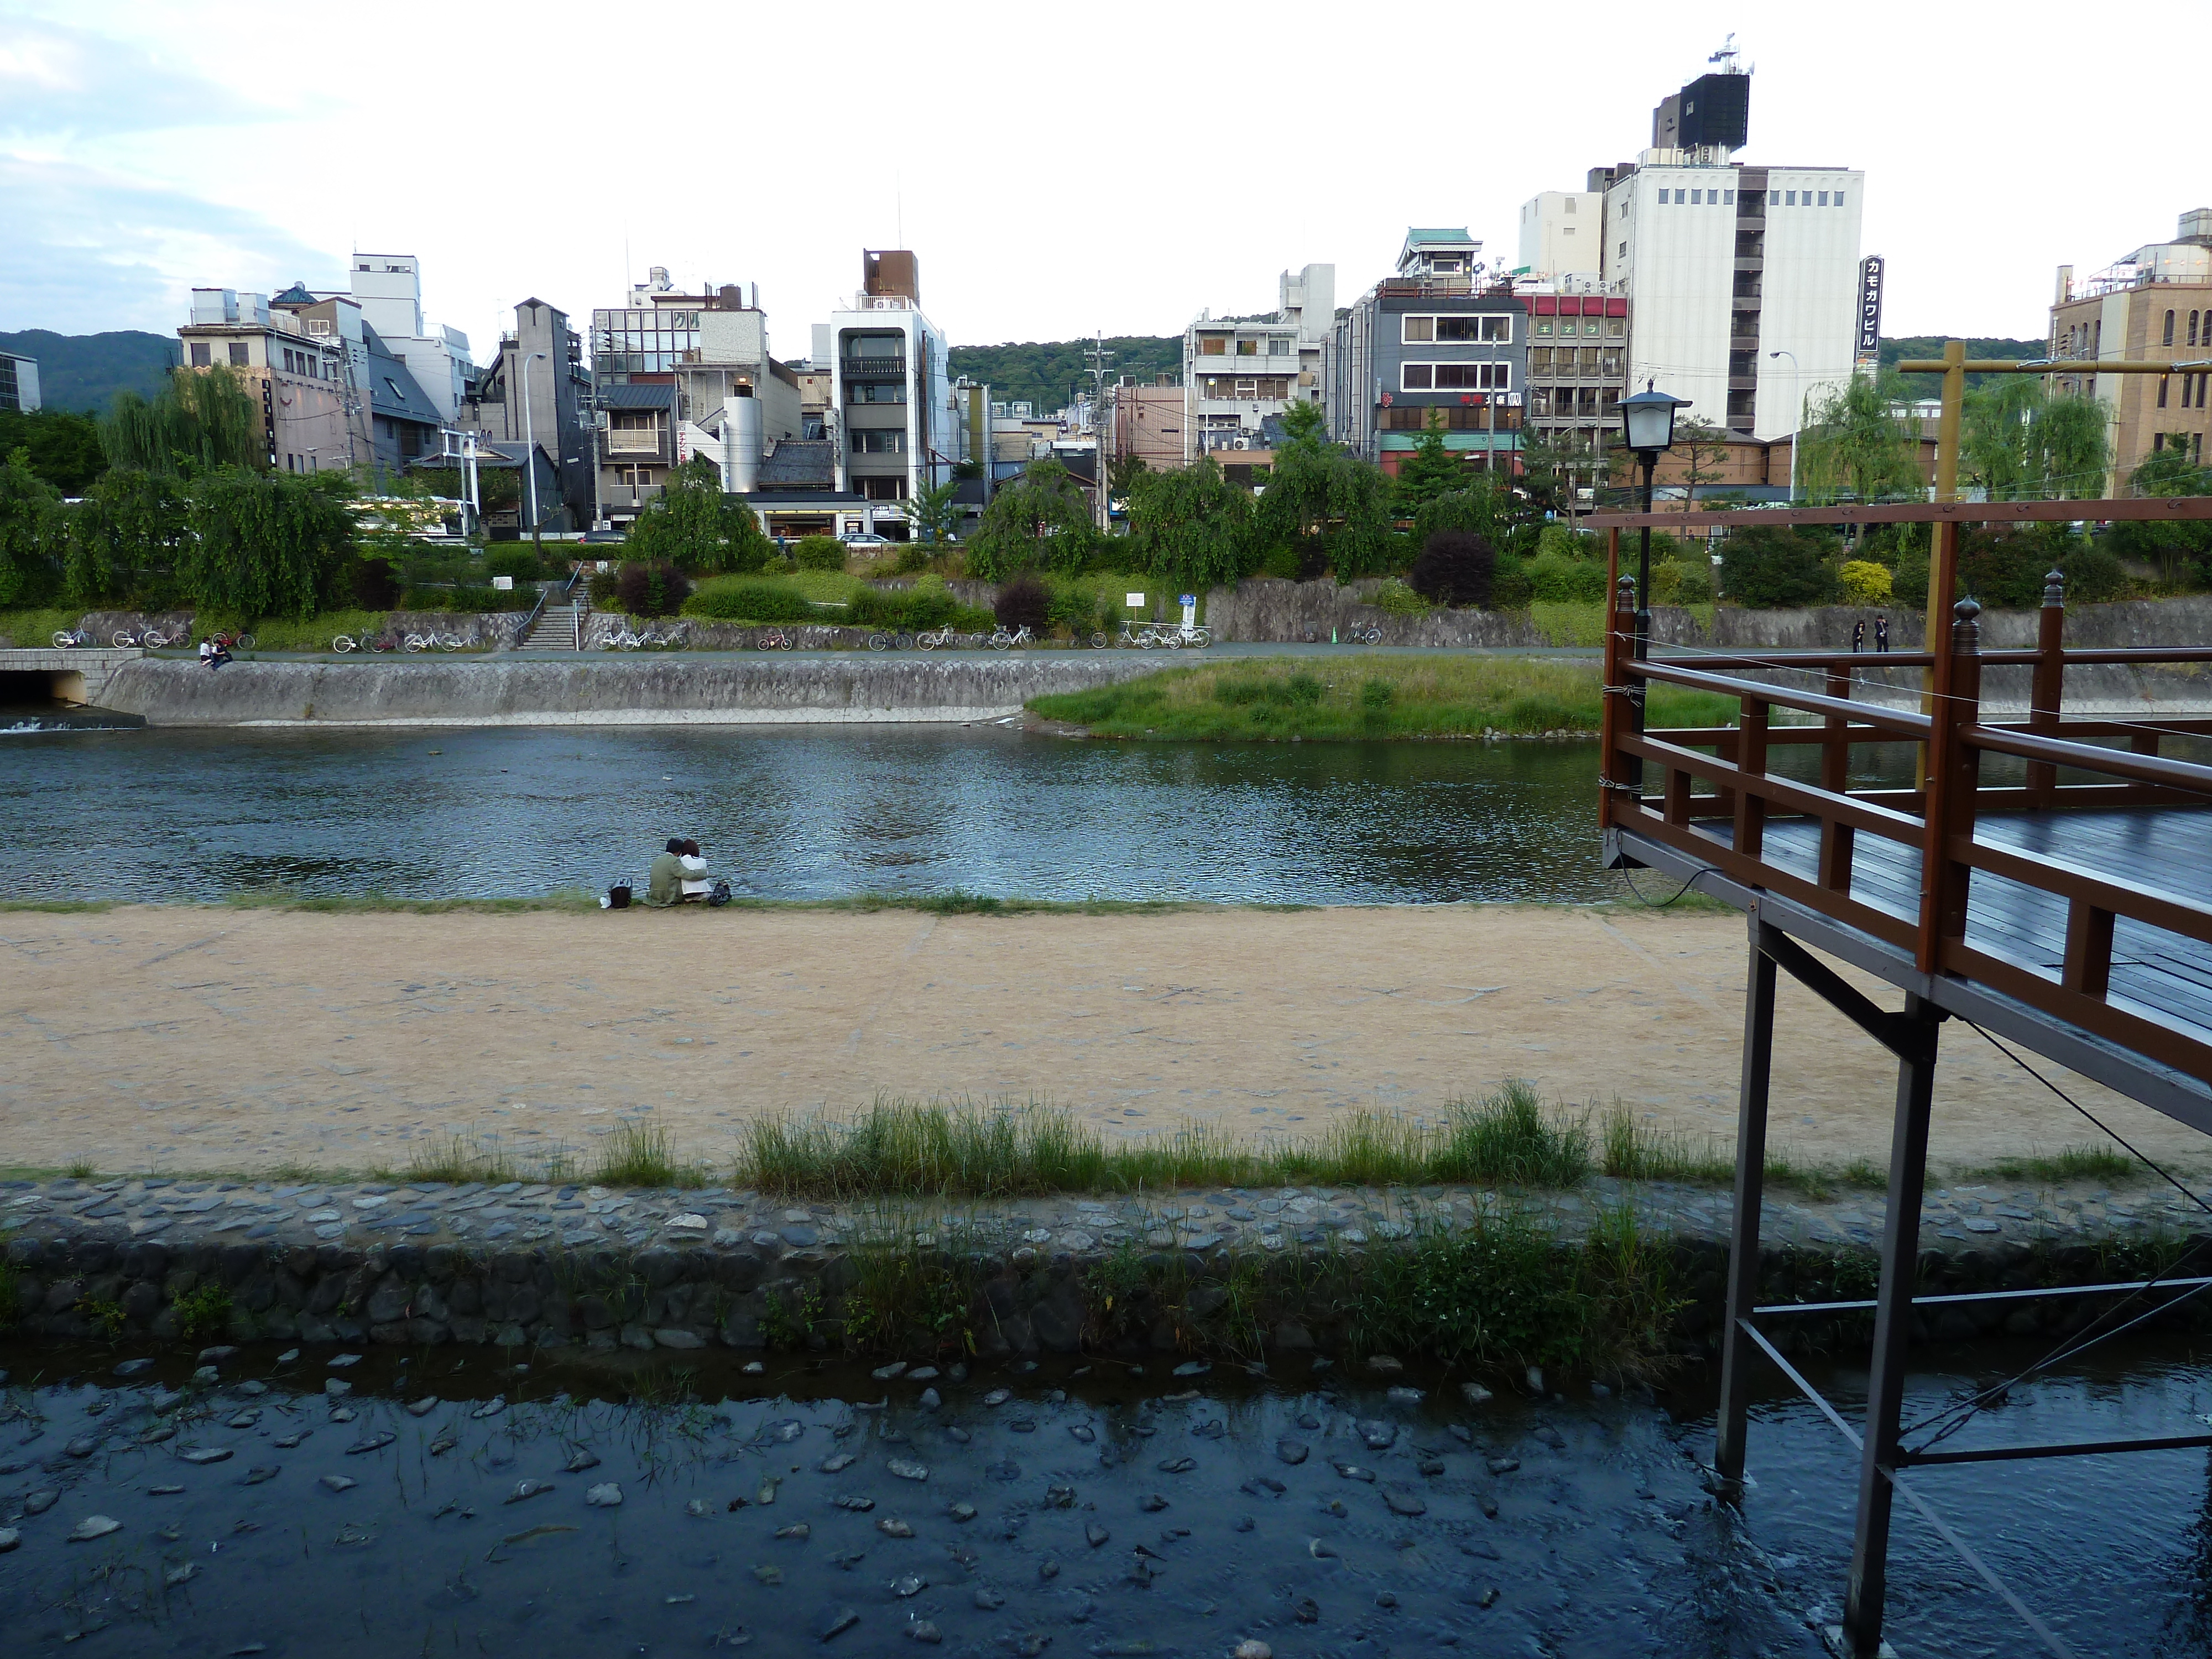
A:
x: 663, y: 881
x: 697, y: 883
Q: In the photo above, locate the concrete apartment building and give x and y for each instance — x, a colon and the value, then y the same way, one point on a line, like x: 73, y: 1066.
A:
x: 668, y: 366
x: 532, y: 408
x: 1147, y: 422
x: 1238, y: 376
x: 1430, y: 346
x: 896, y: 427
x: 19, y: 384
x: 1579, y: 326
x: 2153, y: 305
x: 388, y: 288
x: 1742, y: 282
x: 313, y: 415
x: 402, y: 422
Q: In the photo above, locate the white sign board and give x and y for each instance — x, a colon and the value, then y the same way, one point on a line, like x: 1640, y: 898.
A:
x: 1134, y: 601
x: 504, y: 584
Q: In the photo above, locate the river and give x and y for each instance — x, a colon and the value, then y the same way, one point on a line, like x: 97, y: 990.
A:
x: 449, y: 1502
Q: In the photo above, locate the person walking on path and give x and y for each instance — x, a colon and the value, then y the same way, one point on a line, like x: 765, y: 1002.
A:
x: 1881, y: 633
x: 1858, y: 636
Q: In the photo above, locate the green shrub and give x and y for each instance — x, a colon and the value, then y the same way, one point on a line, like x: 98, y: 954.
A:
x: 912, y: 611
x: 602, y: 588
x: 515, y: 559
x: 741, y: 599
x: 203, y: 1311
x: 912, y: 557
x: 2094, y: 575
x: 1511, y: 587
x: 1770, y: 565
x: 1025, y: 602
x: 819, y: 553
x: 1376, y: 695
x: 1395, y: 598
x: 1693, y: 583
x: 1556, y: 579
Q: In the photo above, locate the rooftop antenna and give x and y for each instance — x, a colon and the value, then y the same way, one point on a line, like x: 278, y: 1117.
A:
x: 899, y: 196
x: 1726, y: 56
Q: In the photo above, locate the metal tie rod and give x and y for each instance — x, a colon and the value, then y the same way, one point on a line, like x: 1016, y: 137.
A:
x: 1989, y: 1296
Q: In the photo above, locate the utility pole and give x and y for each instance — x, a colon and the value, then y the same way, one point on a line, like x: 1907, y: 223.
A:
x: 1098, y: 355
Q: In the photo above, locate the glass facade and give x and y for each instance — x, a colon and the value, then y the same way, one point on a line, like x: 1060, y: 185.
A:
x: 643, y: 341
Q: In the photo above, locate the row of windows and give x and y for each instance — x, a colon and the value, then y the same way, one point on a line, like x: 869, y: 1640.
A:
x: 1478, y: 414
x: 879, y: 440
x: 309, y: 363
x: 1615, y: 328
x: 2191, y: 442
x: 2189, y: 383
x: 1216, y: 345
x: 1703, y: 198
x: 875, y: 392
x: 1454, y: 377
x: 1457, y: 331
x: 1573, y: 401
x: 204, y: 354
x: 1586, y: 362
x: 2168, y: 340
x: 1273, y: 388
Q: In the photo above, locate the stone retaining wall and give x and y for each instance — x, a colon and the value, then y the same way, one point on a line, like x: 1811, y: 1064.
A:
x: 648, y: 1271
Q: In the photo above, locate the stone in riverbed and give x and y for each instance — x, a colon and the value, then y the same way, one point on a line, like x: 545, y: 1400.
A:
x: 1291, y: 1451
x: 337, y: 1483
x: 204, y: 1454
x: 9, y: 1537
x: 837, y: 1622
x: 906, y: 1469
x: 1475, y: 1393
x: 922, y: 1631
x: 92, y: 1526
x: 605, y: 1496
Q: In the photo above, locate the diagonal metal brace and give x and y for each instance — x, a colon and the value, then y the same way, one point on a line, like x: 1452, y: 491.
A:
x: 1907, y: 1039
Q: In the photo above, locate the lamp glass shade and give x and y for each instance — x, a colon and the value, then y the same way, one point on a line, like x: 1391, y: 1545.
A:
x: 1647, y: 420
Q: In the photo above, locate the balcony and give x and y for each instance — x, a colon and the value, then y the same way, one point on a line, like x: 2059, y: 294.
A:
x: 875, y: 368
x: 626, y: 497
x: 644, y: 441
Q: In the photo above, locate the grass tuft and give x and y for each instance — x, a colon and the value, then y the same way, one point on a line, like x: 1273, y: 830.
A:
x: 638, y: 1153
x: 2086, y: 1163
x: 81, y: 1169
x: 1633, y: 1152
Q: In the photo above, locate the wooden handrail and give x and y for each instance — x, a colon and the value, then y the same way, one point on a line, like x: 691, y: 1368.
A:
x: 1804, y: 798
x: 2165, y: 510
x: 1889, y: 719
x: 2089, y: 758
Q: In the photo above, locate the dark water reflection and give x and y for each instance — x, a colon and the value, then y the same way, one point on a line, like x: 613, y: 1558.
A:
x: 398, y: 1530
x: 795, y: 813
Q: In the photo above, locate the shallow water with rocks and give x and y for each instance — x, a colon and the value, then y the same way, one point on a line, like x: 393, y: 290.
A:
x: 294, y: 1501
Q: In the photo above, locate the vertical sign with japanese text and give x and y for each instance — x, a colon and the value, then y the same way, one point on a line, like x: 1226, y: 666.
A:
x: 1869, y: 331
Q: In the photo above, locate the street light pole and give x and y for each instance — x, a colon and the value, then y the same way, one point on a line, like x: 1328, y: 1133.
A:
x: 530, y: 454
x: 1647, y: 427
x: 1796, y: 420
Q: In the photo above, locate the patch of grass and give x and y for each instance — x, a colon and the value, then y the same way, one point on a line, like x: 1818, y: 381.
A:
x: 2083, y: 1163
x: 1427, y: 696
x: 458, y: 1160
x: 108, y: 1315
x: 904, y: 1149
x: 36, y: 630
x: 60, y: 907
x: 1504, y: 1292
x: 912, y: 1296
x: 638, y: 1153
x: 204, y: 1310
x: 566, y: 898
x: 1633, y: 1152
x: 81, y: 1169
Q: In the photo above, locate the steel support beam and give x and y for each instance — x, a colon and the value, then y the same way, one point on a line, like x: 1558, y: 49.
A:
x: 1893, y: 1326
x: 1750, y: 1194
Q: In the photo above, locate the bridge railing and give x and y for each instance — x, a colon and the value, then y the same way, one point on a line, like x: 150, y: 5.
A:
x: 1708, y: 791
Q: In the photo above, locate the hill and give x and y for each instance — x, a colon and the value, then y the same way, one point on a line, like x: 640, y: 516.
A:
x: 85, y: 371
x: 1925, y: 346
x: 1044, y: 372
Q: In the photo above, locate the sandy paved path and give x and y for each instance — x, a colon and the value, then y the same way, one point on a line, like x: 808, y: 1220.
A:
x: 217, y: 1038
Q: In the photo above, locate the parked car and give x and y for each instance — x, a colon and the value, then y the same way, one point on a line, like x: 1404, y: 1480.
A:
x: 865, y: 538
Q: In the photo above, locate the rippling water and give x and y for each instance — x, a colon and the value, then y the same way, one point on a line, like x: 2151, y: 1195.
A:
x: 795, y: 813
x: 446, y: 1505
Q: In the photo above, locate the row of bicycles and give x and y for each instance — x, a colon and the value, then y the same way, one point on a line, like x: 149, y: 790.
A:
x: 652, y: 639
x: 145, y: 639
x: 1148, y: 637
x: 346, y: 644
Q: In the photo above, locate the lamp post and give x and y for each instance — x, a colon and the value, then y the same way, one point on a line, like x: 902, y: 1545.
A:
x: 1647, y: 427
x: 1796, y: 420
x: 529, y: 454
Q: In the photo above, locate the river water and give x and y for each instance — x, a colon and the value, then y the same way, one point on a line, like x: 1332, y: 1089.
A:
x: 802, y: 812
x: 1084, y: 1511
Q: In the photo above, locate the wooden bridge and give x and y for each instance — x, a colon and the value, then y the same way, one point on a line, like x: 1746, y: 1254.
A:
x: 2067, y: 909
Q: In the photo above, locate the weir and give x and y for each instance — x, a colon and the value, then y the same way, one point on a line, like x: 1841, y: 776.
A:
x: 2064, y: 916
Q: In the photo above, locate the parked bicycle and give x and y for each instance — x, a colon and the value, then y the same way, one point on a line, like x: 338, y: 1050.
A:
x: 431, y: 643
x: 150, y: 639
x: 238, y: 641
x: 931, y: 639
x: 1003, y: 640
x: 1135, y: 637
x: 653, y: 640
x: 900, y: 641
x: 67, y: 638
x: 620, y: 638
x: 345, y: 644
x: 772, y: 639
x: 1357, y: 635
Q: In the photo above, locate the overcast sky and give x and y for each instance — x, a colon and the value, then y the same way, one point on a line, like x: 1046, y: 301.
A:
x: 1057, y: 170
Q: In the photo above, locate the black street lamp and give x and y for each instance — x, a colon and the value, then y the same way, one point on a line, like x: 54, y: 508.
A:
x: 1647, y: 427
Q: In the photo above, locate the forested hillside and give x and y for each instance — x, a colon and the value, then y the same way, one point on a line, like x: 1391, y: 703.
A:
x: 84, y: 371
x: 1045, y: 372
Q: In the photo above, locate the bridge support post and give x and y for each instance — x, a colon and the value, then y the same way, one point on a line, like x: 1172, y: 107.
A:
x: 1737, y: 1351
x: 1916, y: 1045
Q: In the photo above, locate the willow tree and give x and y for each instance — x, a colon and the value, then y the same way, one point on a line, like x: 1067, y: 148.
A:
x: 697, y: 528
x: 1854, y: 442
x: 1191, y: 527
x: 202, y: 420
x: 1041, y: 519
x: 30, y: 511
x: 261, y: 545
x: 1318, y: 489
x: 2020, y: 442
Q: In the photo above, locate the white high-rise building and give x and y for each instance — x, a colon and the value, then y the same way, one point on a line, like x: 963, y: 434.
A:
x: 1563, y: 234
x: 389, y: 287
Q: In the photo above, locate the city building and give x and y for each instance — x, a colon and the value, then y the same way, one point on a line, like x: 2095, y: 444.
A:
x: 2153, y: 305
x: 313, y: 415
x: 1236, y: 373
x: 1563, y: 234
x: 1147, y: 422
x: 666, y: 365
x: 19, y: 384
x: 402, y: 421
x: 1431, y: 347
x: 532, y: 405
x: 1742, y: 281
x: 388, y: 288
x: 892, y: 415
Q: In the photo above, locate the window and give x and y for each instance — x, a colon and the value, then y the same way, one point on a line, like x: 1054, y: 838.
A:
x: 1624, y: 249
x: 1616, y: 328
x: 1789, y: 199
x: 1569, y: 205
x: 1212, y: 346
x: 1840, y: 199
x: 875, y: 392
x: 1471, y: 329
x: 1540, y: 360
x: 1678, y: 198
x: 1697, y: 197
x: 239, y: 358
x: 1727, y: 198
x: 1416, y: 377
x: 1590, y: 329
x: 1455, y: 377
x: 2168, y: 339
x: 1774, y: 198
x: 1278, y: 345
x: 203, y: 355
x: 1248, y: 347
x: 1543, y: 328
x: 1418, y: 328
x: 2192, y: 328
x: 1824, y: 198
x: 879, y: 440
x: 2162, y: 378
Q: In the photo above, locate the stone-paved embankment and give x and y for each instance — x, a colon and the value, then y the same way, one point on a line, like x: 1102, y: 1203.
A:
x: 655, y: 691
x: 553, y: 1265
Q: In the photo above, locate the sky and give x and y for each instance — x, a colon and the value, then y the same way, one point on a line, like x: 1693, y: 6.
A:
x: 1058, y: 171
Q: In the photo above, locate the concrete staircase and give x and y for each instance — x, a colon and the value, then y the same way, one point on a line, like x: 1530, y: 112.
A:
x: 561, y: 627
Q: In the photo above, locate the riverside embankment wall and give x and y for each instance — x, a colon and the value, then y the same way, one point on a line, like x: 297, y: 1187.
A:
x: 667, y: 690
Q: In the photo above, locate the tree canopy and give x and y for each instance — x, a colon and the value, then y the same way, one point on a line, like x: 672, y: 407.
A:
x: 1192, y: 526
x: 2021, y: 442
x: 201, y: 421
x: 1041, y: 519
x: 697, y: 528
x: 1318, y: 489
x: 1854, y: 444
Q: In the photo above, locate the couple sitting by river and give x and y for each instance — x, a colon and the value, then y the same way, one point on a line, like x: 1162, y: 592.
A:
x: 679, y: 876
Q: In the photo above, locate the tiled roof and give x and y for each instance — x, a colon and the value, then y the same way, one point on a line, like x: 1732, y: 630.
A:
x: 800, y: 461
